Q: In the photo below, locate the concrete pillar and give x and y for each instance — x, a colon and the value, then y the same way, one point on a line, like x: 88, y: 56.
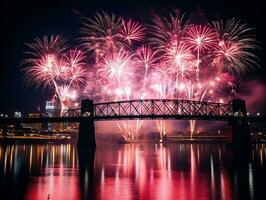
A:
x: 86, y: 137
x: 240, y: 135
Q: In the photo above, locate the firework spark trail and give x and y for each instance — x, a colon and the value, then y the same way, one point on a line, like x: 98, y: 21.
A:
x: 168, y: 30
x: 118, y: 70
x: 102, y: 34
x: 75, y: 68
x: 162, y: 86
x: 147, y: 58
x: 117, y: 66
x: 132, y: 31
x: 200, y: 38
x: 169, y: 58
x: 172, y: 37
x: 234, y: 51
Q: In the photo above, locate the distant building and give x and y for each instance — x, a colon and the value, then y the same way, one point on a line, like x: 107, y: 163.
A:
x: 50, y: 108
x: 2, y: 115
x: 17, y: 114
x: 35, y: 125
x: 50, y: 111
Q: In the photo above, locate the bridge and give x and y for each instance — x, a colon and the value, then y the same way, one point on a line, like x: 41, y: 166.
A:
x: 234, y: 112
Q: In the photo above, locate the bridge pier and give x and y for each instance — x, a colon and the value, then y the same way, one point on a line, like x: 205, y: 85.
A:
x: 86, y: 137
x: 240, y: 132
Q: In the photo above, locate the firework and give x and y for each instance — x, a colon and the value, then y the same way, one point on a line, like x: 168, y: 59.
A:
x: 46, y: 45
x: 169, y: 58
x: 167, y: 31
x: 102, y: 34
x: 43, y: 65
x: 200, y: 38
x: 53, y: 66
x: 116, y: 66
x: 76, y: 67
x: 132, y: 31
x: 146, y: 58
x: 235, y: 46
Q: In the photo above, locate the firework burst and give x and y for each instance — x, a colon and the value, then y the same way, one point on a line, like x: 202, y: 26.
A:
x: 76, y: 68
x: 132, y: 31
x: 167, y: 31
x: 53, y: 66
x: 235, y: 46
x: 46, y: 45
x: 200, y: 38
x: 116, y: 66
x: 102, y: 34
x: 174, y: 59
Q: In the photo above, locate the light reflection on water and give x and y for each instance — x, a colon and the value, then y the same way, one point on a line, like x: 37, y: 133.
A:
x: 131, y: 171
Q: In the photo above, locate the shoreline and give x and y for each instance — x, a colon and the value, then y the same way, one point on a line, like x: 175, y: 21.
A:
x: 35, y: 140
x: 72, y: 140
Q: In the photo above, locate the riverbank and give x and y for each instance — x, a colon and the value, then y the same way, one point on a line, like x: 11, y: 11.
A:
x: 36, y: 139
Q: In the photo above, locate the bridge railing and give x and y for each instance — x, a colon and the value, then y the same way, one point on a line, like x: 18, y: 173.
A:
x: 72, y: 113
x: 147, y: 109
x: 160, y: 107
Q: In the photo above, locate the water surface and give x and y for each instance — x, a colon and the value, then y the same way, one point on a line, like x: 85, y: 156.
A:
x: 132, y: 171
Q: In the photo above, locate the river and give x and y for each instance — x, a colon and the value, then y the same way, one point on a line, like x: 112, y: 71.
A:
x: 132, y: 171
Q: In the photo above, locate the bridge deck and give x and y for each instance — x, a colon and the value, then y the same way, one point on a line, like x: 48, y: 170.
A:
x: 78, y: 119
x: 168, y: 109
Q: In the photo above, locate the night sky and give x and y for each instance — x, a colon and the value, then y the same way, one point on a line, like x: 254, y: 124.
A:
x: 22, y: 21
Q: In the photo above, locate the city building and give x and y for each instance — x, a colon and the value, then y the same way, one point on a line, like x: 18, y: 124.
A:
x: 17, y: 114
x: 50, y: 111
x: 50, y: 108
x: 35, y: 125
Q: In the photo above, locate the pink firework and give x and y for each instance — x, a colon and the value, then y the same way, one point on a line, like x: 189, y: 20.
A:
x: 200, y: 38
x: 178, y: 55
x: 45, y: 71
x: 147, y: 58
x: 169, y: 30
x: 116, y: 66
x: 76, y: 67
x: 44, y: 64
x: 176, y: 59
x: 41, y: 71
x: 234, y: 49
x: 161, y: 84
x: 102, y: 34
x: 132, y: 31
x: 47, y: 45
x: 51, y: 66
x: 180, y: 60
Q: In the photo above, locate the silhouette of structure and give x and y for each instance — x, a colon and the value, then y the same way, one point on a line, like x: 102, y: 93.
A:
x: 235, y: 113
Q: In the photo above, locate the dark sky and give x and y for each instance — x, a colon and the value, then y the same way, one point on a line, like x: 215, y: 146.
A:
x: 22, y: 21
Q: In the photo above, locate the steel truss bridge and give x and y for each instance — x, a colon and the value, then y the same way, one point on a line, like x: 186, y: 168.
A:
x: 157, y: 109
x: 146, y: 109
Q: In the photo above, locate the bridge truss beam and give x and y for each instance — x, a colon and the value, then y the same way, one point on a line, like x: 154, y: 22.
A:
x: 161, y: 108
